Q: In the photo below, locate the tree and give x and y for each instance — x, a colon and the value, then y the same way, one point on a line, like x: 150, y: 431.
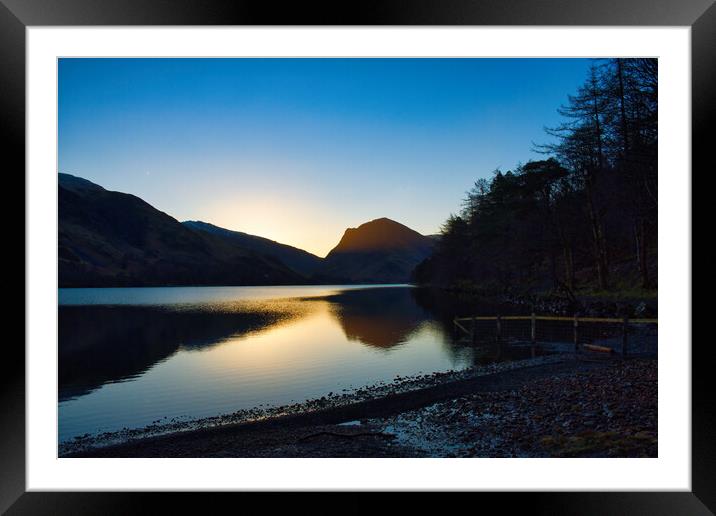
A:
x: 544, y: 221
x: 632, y: 86
x: 581, y: 146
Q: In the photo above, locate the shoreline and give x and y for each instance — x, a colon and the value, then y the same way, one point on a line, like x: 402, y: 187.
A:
x: 400, y: 384
x: 382, y: 420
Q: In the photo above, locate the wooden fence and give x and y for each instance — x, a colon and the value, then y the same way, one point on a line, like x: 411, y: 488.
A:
x: 468, y: 325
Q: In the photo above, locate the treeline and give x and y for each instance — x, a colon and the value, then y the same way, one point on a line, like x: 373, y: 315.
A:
x: 584, y: 217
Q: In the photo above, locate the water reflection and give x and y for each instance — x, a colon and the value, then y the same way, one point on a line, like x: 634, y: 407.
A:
x: 382, y: 318
x: 103, y: 344
x: 202, y: 352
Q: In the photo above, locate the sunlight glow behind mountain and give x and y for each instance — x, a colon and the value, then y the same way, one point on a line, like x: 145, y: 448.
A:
x: 297, y: 150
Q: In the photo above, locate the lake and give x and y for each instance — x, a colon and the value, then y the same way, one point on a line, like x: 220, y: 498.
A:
x: 131, y: 356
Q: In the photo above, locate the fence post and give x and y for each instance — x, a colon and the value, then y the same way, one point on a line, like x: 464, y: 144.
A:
x: 473, y: 333
x: 533, y: 332
x: 498, y: 335
x: 625, y: 331
x: 533, y: 335
x: 576, y: 333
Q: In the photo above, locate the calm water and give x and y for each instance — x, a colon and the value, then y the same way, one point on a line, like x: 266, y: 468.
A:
x: 130, y: 356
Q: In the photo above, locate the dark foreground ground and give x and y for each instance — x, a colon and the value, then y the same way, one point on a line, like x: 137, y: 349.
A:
x: 580, y: 407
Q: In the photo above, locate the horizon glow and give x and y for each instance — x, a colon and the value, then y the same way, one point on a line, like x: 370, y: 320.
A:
x: 299, y: 149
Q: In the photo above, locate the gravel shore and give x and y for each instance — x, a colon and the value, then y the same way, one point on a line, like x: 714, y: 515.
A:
x: 607, y: 412
x: 552, y: 406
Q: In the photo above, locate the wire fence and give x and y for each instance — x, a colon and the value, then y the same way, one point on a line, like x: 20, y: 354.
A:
x: 608, y: 335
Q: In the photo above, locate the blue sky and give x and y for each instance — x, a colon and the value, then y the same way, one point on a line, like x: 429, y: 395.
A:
x: 297, y: 150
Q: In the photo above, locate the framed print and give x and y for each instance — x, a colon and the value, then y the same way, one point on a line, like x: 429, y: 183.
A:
x: 417, y: 248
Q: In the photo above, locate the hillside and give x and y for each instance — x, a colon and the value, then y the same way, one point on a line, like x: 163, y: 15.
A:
x: 298, y: 260
x: 115, y: 239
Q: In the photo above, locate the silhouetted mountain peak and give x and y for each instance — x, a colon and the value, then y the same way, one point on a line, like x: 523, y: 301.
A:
x: 379, y: 251
x: 379, y: 235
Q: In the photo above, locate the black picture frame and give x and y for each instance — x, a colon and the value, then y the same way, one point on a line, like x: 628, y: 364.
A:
x: 16, y: 15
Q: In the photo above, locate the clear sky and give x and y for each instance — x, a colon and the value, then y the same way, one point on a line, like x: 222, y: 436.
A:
x: 297, y: 150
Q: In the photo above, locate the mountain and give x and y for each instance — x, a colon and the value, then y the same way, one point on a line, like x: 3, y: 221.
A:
x: 298, y: 260
x: 115, y: 239
x: 379, y: 251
